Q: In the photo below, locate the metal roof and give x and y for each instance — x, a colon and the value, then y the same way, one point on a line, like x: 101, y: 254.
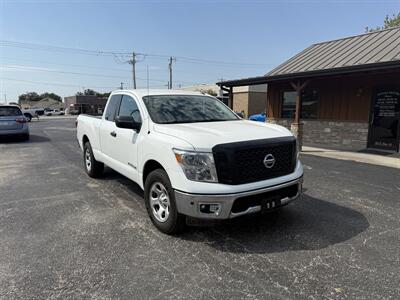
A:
x: 372, y: 51
x: 370, y: 48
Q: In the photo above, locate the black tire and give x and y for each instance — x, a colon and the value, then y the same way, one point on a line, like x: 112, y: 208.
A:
x: 175, y: 222
x: 94, y: 169
x: 26, y: 137
x: 28, y: 117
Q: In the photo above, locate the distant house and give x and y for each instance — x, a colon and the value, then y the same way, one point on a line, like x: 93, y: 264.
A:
x: 342, y: 94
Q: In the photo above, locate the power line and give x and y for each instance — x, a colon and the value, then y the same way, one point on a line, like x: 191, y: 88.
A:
x: 30, y: 68
x: 51, y: 48
x: 80, y: 66
x: 37, y: 69
x: 115, y: 54
x: 60, y: 64
x: 65, y: 84
x: 54, y: 83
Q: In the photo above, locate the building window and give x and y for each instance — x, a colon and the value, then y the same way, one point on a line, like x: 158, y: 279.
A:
x: 288, y: 105
x: 309, y: 104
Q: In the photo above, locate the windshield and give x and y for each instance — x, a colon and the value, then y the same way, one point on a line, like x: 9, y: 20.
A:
x: 6, y: 111
x: 169, y: 109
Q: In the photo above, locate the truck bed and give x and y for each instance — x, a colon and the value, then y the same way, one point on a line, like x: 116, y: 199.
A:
x: 92, y: 116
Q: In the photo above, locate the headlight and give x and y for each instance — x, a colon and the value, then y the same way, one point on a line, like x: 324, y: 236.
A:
x: 297, y: 149
x: 197, y: 166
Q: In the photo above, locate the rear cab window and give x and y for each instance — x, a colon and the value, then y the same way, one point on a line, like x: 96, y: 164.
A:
x: 6, y: 111
x: 112, y: 107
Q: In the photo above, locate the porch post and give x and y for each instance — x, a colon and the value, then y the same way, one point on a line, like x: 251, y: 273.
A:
x: 297, y: 127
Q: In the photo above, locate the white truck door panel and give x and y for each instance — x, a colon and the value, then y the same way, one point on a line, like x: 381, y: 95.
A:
x: 108, y: 130
x: 127, y: 151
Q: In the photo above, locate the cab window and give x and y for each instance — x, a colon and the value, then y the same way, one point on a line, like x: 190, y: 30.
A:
x: 129, y: 108
x: 112, y: 107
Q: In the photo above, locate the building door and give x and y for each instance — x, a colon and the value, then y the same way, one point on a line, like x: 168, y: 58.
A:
x: 384, y: 128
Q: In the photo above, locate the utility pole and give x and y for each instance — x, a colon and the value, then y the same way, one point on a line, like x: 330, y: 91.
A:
x: 171, y: 59
x: 133, y: 63
x: 5, y: 98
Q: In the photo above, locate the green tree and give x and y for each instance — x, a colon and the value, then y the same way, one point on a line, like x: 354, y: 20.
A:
x: 33, y: 96
x: 29, y: 96
x: 51, y: 96
x: 87, y: 92
x: 208, y: 91
x: 90, y: 92
x: 389, y: 22
x: 103, y: 95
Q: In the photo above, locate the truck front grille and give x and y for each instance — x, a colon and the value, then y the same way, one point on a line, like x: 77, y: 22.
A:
x: 243, y: 162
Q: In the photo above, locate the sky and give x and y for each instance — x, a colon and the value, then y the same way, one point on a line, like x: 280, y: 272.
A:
x: 211, y: 40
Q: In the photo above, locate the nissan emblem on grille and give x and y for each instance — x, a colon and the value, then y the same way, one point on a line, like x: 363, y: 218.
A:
x: 269, y: 161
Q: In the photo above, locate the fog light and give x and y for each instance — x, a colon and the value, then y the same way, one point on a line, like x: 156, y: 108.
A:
x: 210, y: 208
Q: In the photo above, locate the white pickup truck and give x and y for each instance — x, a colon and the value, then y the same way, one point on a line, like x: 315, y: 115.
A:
x: 191, y: 155
x: 31, y: 113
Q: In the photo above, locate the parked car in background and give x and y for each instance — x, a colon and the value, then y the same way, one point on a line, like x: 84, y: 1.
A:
x: 258, y: 117
x: 192, y: 155
x: 31, y: 113
x: 54, y: 112
x: 13, y: 122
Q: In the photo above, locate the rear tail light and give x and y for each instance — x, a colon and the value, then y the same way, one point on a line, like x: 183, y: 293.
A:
x: 20, y: 120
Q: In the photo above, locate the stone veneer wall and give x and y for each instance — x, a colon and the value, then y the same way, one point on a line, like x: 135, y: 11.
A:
x: 331, y: 134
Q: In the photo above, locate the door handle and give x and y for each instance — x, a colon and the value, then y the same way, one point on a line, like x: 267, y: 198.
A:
x: 113, y: 134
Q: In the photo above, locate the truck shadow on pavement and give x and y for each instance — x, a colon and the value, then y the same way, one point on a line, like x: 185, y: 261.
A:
x: 307, y: 224
x: 20, y: 140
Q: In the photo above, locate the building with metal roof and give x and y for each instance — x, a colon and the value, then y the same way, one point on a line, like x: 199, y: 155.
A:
x: 343, y: 93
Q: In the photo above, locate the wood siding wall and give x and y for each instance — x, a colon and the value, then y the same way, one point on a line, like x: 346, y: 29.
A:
x: 345, y: 98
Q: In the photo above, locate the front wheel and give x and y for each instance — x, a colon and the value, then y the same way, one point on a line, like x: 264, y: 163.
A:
x: 28, y: 117
x: 93, y: 168
x: 160, y: 203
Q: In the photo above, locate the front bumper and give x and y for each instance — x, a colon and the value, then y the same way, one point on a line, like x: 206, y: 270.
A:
x: 223, y: 206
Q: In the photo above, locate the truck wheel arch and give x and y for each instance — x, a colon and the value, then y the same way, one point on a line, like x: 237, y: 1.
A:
x: 84, y: 139
x: 149, y: 167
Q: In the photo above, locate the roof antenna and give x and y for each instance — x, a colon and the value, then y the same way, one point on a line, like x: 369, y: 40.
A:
x: 148, y: 80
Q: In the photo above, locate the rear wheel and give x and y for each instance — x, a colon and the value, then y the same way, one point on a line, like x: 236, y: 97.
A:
x: 160, y: 203
x: 28, y: 117
x: 93, y: 168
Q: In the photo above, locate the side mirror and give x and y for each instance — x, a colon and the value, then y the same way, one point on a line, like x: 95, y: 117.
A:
x: 127, y: 122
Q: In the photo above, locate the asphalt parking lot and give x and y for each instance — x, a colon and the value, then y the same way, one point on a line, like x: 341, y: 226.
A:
x: 65, y: 235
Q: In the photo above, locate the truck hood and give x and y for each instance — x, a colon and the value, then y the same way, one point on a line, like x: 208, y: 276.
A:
x: 203, y: 136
